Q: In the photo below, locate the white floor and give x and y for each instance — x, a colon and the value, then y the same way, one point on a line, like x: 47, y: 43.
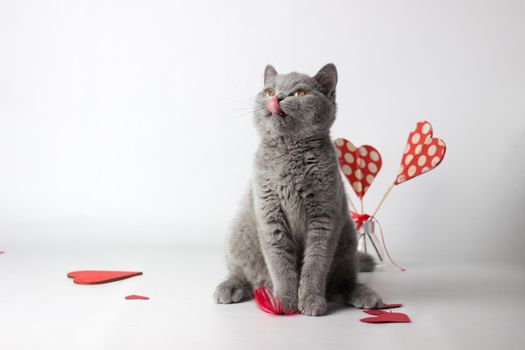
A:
x: 452, y: 307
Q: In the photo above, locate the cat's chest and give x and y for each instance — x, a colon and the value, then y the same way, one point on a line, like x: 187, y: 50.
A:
x: 289, y: 176
x: 289, y: 181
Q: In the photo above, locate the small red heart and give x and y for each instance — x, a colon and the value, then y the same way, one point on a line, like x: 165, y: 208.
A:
x: 136, y: 297
x: 96, y: 277
x: 385, y: 317
x: 422, y: 153
x: 360, y: 165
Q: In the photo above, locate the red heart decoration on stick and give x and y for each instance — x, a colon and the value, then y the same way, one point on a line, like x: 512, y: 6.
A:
x: 97, y: 277
x: 385, y: 317
x: 360, y: 165
x: 422, y: 153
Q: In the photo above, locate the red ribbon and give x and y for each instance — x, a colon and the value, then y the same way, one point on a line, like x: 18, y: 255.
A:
x: 359, y: 219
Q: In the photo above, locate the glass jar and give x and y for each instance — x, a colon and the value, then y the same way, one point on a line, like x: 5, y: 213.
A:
x: 369, y: 242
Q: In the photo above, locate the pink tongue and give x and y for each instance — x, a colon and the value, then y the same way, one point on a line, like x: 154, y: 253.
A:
x: 273, y: 105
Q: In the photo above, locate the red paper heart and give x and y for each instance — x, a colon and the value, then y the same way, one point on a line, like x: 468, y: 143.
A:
x: 360, y: 165
x: 422, y: 153
x: 385, y: 317
x: 96, y: 277
x: 136, y: 297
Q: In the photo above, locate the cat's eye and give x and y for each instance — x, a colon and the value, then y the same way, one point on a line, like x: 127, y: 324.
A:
x: 268, y: 93
x: 299, y: 93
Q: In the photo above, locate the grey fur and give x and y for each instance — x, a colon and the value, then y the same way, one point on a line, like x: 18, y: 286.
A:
x: 365, y: 262
x: 293, y: 233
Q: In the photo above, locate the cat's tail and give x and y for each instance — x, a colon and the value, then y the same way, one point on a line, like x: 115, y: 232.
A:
x: 365, y: 262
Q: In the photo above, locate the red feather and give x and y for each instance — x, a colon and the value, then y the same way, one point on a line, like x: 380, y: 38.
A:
x: 269, y: 303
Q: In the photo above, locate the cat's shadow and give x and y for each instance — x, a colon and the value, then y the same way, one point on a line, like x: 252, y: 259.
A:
x: 334, y: 307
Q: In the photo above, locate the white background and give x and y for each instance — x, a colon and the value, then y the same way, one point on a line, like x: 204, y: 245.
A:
x: 129, y: 123
x: 126, y: 142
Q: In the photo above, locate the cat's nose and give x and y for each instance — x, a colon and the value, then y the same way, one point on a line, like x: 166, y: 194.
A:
x: 281, y: 96
x: 273, y: 105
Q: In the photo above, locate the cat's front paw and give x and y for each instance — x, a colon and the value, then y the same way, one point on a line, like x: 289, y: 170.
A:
x: 289, y: 303
x: 231, y: 291
x: 312, y: 305
x: 363, y: 297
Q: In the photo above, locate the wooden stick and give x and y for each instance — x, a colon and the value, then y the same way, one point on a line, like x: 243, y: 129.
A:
x: 375, y: 247
x: 351, y: 203
x: 383, y: 199
x: 362, y: 206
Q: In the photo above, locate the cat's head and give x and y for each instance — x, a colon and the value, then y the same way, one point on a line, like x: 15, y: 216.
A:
x: 296, y: 104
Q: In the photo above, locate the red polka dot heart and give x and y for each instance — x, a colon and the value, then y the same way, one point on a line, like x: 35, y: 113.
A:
x: 360, y: 165
x: 422, y: 153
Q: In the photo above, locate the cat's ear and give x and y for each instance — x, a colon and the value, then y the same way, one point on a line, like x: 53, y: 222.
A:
x: 269, y: 73
x: 327, y: 78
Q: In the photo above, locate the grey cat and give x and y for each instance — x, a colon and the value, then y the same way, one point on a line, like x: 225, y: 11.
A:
x: 293, y: 233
